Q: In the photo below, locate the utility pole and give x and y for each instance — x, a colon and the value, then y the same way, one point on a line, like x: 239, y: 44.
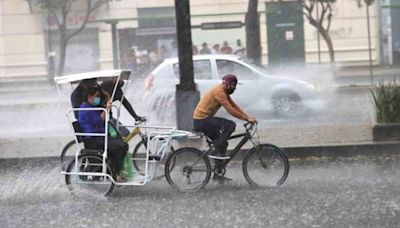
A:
x: 318, y: 38
x: 186, y: 94
x: 369, y: 45
x: 50, y: 54
x: 115, y: 44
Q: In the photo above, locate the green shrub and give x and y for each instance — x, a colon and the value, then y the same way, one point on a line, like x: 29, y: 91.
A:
x: 386, y: 98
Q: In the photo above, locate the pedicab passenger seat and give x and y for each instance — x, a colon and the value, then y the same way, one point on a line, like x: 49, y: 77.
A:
x: 77, y: 129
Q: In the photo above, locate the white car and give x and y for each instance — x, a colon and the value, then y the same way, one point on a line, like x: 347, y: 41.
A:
x: 261, y: 92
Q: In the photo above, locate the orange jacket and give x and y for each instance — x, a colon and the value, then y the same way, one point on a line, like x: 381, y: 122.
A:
x: 213, y: 100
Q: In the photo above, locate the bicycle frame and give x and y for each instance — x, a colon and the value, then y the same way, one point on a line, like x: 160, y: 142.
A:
x: 246, y: 137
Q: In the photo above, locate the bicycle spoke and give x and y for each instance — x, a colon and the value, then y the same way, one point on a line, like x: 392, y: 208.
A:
x: 86, y: 183
x: 199, y: 169
x: 190, y: 171
x: 265, y: 166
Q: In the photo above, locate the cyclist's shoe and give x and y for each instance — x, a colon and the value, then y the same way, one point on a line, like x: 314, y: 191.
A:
x: 221, y: 179
x: 140, y: 119
x: 219, y: 156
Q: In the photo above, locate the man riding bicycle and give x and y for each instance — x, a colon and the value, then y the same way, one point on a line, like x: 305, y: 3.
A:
x: 216, y: 128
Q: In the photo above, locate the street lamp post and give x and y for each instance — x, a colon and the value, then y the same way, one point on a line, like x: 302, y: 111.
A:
x: 115, y: 44
x: 318, y: 38
x: 368, y: 3
x: 50, y: 54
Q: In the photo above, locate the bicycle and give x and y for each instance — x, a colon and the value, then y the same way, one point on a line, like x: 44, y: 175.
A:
x: 189, y: 169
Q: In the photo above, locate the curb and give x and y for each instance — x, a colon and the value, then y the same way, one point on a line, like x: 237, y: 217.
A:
x: 351, y: 150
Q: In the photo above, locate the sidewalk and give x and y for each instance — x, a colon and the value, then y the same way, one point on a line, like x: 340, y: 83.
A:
x: 364, y: 71
x: 297, y: 140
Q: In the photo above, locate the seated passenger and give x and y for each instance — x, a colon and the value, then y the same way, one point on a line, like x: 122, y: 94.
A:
x: 79, y: 93
x: 92, y: 121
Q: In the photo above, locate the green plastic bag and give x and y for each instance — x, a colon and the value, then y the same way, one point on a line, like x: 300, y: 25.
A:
x: 112, y: 132
x: 127, y: 166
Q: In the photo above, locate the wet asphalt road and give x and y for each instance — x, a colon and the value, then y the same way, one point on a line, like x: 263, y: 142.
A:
x: 356, y: 192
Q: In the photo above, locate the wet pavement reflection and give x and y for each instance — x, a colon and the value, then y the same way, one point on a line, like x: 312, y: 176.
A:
x: 329, y: 192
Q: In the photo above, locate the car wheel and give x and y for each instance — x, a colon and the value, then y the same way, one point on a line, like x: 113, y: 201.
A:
x: 287, y: 103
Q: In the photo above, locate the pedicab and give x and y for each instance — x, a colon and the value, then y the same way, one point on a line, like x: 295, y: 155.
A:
x: 90, y: 172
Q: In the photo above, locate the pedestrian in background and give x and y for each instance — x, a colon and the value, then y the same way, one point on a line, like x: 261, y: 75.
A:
x: 205, y: 50
x: 215, y: 49
x: 240, y: 50
x: 226, y: 49
x: 195, y: 51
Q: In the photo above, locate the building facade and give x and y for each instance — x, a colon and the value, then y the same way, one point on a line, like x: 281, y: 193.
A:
x: 29, y: 37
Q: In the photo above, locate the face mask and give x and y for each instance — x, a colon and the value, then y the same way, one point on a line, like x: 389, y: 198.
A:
x: 96, y: 101
x: 230, y: 89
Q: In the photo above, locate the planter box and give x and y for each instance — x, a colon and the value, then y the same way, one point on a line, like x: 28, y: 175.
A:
x: 386, y: 131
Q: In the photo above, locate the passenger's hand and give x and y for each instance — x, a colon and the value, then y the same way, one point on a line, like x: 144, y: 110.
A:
x: 109, y: 104
x: 252, y: 120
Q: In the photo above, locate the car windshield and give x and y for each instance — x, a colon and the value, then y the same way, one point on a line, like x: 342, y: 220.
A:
x: 259, y: 68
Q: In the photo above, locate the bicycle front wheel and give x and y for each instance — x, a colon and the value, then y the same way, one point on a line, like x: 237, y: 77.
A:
x: 266, y: 166
x: 187, y: 170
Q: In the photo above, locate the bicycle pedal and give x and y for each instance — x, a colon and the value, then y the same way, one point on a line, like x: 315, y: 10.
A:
x: 219, y: 157
x: 154, y: 157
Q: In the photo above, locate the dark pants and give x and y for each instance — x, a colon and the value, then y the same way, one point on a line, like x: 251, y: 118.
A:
x: 218, y: 129
x: 116, y: 148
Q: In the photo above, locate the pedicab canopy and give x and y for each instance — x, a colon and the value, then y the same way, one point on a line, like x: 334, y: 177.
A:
x: 100, y: 75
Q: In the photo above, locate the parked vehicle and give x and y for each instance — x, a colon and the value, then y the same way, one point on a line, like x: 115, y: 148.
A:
x: 261, y: 91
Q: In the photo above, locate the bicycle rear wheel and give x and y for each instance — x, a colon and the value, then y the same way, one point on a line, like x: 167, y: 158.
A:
x: 139, y: 156
x: 265, y: 166
x: 187, y: 170
x: 89, y: 184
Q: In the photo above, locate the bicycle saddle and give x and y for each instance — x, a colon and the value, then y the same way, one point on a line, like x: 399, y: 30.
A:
x: 202, y: 135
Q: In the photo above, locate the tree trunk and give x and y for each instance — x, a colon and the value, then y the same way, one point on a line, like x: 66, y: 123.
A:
x: 61, y: 57
x: 253, y: 42
x: 328, y: 41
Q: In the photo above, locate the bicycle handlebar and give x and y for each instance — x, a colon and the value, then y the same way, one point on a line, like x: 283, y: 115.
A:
x: 250, y: 127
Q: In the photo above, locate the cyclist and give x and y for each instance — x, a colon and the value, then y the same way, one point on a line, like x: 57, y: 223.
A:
x: 108, y: 86
x: 216, y: 128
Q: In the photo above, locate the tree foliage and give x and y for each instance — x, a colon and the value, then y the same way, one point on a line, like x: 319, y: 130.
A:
x: 360, y: 3
x: 321, y: 21
x: 60, y: 9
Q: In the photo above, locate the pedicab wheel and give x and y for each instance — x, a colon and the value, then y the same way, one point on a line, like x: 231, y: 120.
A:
x: 139, y: 159
x: 265, y: 166
x: 187, y: 170
x: 67, y: 150
x: 89, y: 184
